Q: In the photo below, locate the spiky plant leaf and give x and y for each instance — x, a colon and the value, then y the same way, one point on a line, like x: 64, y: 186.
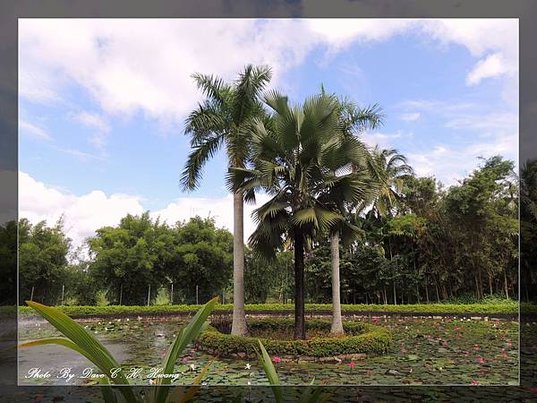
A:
x: 271, y: 373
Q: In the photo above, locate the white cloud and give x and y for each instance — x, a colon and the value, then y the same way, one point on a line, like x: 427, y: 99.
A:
x: 341, y: 32
x: 82, y: 214
x: 451, y: 163
x: 131, y: 66
x: 88, y: 212
x: 221, y: 209
x: 33, y: 130
x: 492, y: 66
x: 144, y: 65
x: 410, y: 117
x: 493, y: 41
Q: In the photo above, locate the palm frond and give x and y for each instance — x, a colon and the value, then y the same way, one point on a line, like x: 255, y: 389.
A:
x: 196, y: 160
x: 212, y: 86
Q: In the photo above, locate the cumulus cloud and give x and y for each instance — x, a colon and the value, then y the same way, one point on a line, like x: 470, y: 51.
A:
x: 492, y: 66
x: 85, y: 213
x: 144, y: 65
x: 220, y: 209
x: 82, y: 214
x: 493, y: 41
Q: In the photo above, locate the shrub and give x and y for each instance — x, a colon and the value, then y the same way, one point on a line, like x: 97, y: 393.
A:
x: 360, y: 338
x: 508, y: 307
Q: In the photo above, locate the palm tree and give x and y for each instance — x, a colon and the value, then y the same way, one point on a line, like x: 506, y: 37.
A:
x: 222, y: 120
x: 295, y: 161
x: 353, y: 121
x: 392, y: 169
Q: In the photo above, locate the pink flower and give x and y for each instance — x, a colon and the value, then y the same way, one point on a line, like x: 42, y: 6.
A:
x: 476, y: 347
x: 457, y: 328
x: 352, y: 365
x: 276, y: 359
x: 444, y: 343
x: 474, y: 382
x: 480, y: 359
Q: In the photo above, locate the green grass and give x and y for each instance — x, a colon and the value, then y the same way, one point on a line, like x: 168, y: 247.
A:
x: 507, y: 307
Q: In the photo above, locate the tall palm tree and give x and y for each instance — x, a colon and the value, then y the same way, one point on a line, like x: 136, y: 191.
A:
x: 222, y: 120
x: 295, y: 161
x: 353, y: 121
x: 392, y: 169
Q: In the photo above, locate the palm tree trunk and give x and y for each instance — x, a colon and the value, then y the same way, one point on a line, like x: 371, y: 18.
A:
x: 505, y: 283
x: 337, y: 324
x: 394, y: 294
x: 300, y: 326
x: 238, y: 326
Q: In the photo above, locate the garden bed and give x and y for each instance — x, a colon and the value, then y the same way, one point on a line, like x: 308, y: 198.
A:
x: 276, y: 334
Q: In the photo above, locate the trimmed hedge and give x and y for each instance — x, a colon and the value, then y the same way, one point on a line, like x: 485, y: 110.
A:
x: 507, y: 308
x: 360, y: 338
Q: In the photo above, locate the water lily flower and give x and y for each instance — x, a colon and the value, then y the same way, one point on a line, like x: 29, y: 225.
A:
x: 474, y: 382
x: 276, y: 359
x: 192, y: 367
x: 480, y: 359
x: 352, y: 365
x: 457, y: 328
x: 247, y: 366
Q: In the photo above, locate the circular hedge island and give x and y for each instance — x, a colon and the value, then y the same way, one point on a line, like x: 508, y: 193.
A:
x: 276, y: 334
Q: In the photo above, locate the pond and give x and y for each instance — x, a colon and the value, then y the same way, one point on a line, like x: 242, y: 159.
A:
x: 425, y: 351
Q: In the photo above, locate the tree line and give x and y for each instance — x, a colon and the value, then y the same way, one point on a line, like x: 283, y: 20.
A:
x: 435, y: 244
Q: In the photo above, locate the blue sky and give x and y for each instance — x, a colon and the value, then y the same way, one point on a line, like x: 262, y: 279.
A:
x: 102, y: 102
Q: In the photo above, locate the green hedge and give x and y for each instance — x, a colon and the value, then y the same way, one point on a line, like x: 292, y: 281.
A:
x: 506, y: 308
x: 359, y: 338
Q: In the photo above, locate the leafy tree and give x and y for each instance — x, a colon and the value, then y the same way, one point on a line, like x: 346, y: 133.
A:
x: 126, y: 258
x: 482, y: 209
x: 222, y: 120
x: 42, y: 261
x: 201, y: 261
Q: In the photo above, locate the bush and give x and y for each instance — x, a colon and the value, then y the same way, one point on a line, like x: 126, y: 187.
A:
x: 507, y: 307
x: 360, y: 338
